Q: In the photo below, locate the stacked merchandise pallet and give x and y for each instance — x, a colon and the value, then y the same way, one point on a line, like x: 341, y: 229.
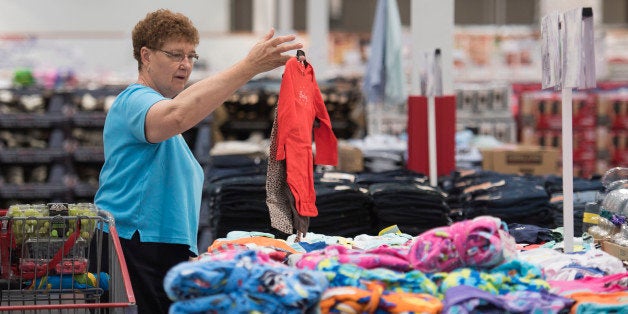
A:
x: 600, y: 122
x: 486, y: 110
x: 541, y: 124
x: 482, y: 110
x: 612, y: 129
x: 33, y: 138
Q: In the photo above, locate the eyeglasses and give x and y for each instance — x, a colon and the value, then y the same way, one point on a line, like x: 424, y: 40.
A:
x: 178, y: 57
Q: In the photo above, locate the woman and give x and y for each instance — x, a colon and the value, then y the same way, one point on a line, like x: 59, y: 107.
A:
x: 150, y: 180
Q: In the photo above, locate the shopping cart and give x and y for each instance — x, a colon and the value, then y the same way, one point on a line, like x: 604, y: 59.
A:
x: 45, y: 265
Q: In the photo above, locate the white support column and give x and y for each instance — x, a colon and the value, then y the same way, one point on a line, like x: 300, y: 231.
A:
x: 567, y: 152
x: 263, y: 15
x: 432, y: 25
x: 286, y: 23
x: 431, y: 140
x: 318, y: 32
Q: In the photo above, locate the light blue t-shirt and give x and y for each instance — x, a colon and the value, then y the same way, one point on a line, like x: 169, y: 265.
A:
x: 152, y: 188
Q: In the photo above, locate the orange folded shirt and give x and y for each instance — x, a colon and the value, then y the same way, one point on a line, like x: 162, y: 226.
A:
x: 259, y: 241
x: 356, y: 300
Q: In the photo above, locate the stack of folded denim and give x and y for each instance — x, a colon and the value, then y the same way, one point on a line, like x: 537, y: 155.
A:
x: 237, y: 200
x: 414, y: 208
x: 584, y: 191
x: 554, y: 184
x: 343, y: 209
x: 365, y: 179
x: 236, y: 188
x: 512, y: 198
x: 239, y: 164
x: 455, y: 183
x: 403, y: 198
x: 459, y: 181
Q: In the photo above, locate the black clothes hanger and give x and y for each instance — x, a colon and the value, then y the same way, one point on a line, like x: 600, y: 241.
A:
x: 302, y: 53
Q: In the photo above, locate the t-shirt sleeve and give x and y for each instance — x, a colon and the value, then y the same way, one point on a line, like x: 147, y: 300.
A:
x: 285, y: 108
x: 136, y: 108
x: 324, y: 137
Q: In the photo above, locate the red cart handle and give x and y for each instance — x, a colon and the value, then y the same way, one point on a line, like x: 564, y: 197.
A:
x: 5, y: 247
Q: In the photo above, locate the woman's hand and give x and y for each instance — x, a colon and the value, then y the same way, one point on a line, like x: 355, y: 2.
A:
x: 171, y: 117
x: 268, y: 53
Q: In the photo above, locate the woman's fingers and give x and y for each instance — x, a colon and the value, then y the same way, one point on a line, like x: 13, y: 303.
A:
x: 269, y: 52
x: 269, y: 35
x: 282, y: 39
x: 288, y: 47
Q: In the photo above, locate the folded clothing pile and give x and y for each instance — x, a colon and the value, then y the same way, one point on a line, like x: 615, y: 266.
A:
x: 479, y: 242
x: 249, y: 281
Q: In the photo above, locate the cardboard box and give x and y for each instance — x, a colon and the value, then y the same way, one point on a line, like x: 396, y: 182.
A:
x: 521, y: 160
x: 616, y: 250
x: 598, y: 242
x: 350, y: 158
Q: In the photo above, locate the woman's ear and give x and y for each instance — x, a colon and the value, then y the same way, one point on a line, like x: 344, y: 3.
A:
x: 145, y: 55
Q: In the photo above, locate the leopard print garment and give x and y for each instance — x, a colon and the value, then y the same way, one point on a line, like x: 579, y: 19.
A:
x: 283, y: 214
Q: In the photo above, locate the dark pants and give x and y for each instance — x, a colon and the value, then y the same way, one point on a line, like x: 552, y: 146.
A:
x: 147, y: 263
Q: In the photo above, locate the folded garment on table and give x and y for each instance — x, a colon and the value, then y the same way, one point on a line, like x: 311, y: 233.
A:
x: 511, y: 276
x: 609, y: 283
x: 394, y: 258
x: 594, y: 302
x: 467, y: 299
x: 243, y: 284
x: 525, y: 233
x: 351, y: 275
x: 479, y: 242
x: 375, y: 299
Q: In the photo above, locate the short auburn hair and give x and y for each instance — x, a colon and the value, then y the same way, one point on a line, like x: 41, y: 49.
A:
x: 161, y: 26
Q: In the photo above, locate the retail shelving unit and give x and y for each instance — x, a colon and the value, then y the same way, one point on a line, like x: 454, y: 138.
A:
x: 34, y: 127
x: 251, y: 109
x: 88, y: 119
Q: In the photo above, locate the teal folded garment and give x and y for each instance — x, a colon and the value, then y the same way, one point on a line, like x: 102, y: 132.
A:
x: 248, y: 282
